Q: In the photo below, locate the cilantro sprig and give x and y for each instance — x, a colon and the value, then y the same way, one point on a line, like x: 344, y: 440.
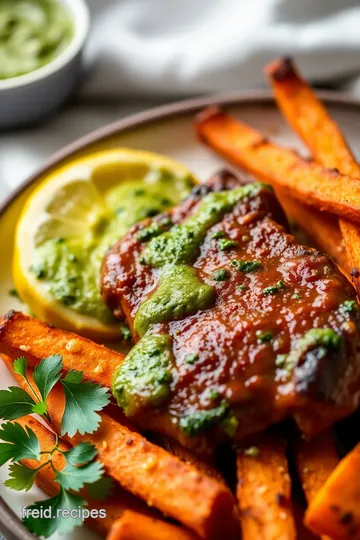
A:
x: 83, y: 401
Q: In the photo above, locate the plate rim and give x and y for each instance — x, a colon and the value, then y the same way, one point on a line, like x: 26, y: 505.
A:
x: 11, y: 525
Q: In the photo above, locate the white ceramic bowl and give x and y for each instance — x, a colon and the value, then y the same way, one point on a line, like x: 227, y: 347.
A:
x: 29, y: 97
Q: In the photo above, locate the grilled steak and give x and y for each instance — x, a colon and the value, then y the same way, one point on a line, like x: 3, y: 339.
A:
x: 237, y: 325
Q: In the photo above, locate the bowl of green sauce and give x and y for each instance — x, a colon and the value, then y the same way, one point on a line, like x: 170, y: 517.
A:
x: 41, y: 44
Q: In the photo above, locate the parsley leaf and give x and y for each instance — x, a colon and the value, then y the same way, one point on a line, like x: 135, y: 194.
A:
x: 20, y: 443
x: 75, y: 477
x: 47, y: 374
x: 83, y: 399
x: 46, y: 526
x: 14, y: 403
x: 20, y: 366
x: 21, y: 477
x: 80, y: 454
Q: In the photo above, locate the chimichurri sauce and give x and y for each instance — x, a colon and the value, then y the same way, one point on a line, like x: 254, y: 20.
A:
x: 32, y: 34
x: 71, y: 267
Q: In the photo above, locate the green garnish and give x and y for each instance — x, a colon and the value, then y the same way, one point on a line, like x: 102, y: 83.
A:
x: 252, y: 451
x: 230, y: 425
x: 274, y: 289
x: 221, y: 275
x: 217, y: 235
x: 126, y: 334
x: 241, y: 287
x: 280, y: 360
x: 147, y: 233
x: 202, y: 420
x: 348, y: 306
x: 213, y: 394
x: 143, y: 379
x: 225, y: 244
x: 14, y: 294
x: 245, y: 266
x: 191, y: 358
x: 264, y: 337
x: 323, y: 339
x: 83, y: 400
x: 296, y: 296
x: 38, y: 270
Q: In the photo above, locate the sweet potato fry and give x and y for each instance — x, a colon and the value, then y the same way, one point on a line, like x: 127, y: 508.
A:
x: 321, y: 227
x: 315, y: 460
x: 162, y: 480
x: 264, y: 490
x: 189, y: 457
x: 335, y: 510
x: 310, y: 183
x: 310, y: 119
x: 134, y: 526
x: 23, y: 335
x: 119, y: 501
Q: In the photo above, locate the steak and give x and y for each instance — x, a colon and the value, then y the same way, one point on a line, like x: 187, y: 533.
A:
x: 237, y: 326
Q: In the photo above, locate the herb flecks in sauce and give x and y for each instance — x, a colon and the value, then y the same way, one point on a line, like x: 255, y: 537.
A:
x: 225, y: 244
x: 349, y: 306
x: 322, y: 339
x: 71, y: 266
x: 143, y: 379
x: 181, y: 244
x: 264, y: 336
x: 245, y: 266
x: 32, y: 34
x: 199, y: 421
x: 180, y: 293
x: 221, y: 274
x: 274, y: 289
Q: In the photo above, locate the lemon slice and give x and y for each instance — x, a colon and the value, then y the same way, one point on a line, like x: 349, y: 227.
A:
x: 68, y: 223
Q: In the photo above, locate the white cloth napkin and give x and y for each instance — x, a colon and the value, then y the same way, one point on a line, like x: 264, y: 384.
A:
x: 182, y: 47
x: 166, y: 49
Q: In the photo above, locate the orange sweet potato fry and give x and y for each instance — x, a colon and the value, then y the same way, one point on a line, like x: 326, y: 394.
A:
x: 23, y: 335
x: 315, y: 460
x: 328, y: 146
x: 264, y: 490
x: 135, y: 526
x: 310, y: 183
x: 205, y: 466
x: 321, y: 227
x: 335, y: 510
x: 162, y: 480
x: 114, y: 507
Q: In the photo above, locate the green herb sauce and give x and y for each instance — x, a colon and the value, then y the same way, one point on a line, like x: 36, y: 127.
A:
x: 202, y: 420
x: 143, y: 379
x: 71, y: 267
x: 180, y: 293
x: 326, y: 338
x: 32, y: 34
x: 181, y: 244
